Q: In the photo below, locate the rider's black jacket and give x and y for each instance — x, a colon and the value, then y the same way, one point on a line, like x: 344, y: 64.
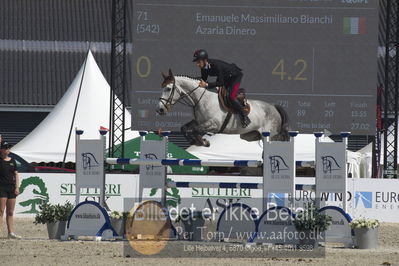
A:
x: 224, y: 73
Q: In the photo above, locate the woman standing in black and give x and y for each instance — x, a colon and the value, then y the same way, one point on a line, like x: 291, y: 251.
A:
x: 9, y: 187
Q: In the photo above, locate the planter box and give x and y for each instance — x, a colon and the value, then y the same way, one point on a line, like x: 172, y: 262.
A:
x: 56, y: 230
x: 366, y: 237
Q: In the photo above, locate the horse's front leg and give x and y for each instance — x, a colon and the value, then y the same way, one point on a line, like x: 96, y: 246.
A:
x: 194, y: 134
x: 198, y: 134
x: 203, y: 128
x: 187, y: 130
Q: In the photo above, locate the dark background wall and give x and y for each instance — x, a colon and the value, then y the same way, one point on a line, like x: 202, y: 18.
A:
x: 42, y: 46
x: 16, y: 125
x: 43, y: 43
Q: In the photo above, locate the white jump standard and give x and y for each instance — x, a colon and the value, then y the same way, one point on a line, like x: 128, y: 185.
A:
x: 89, y: 218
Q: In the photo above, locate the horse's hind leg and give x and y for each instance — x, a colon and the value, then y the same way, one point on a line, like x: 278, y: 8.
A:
x: 251, y: 136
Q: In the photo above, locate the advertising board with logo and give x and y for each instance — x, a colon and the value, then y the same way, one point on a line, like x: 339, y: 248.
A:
x: 370, y: 198
x: 60, y: 188
x: 376, y: 198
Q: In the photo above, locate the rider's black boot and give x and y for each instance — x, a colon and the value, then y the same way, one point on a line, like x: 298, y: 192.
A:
x: 237, y: 105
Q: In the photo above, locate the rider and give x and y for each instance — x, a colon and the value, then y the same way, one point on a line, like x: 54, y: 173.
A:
x: 228, y: 75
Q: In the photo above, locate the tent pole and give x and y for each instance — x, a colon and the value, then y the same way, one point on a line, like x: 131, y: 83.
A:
x: 76, y: 107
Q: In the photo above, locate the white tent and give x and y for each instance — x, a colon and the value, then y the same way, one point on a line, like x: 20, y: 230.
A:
x: 232, y: 147
x: 366, y: 160
x: 48, y: 141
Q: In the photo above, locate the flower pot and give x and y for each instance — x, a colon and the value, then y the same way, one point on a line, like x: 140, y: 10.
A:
x: 119, y: 226
x: 366, y: 237
x: 56, y: 230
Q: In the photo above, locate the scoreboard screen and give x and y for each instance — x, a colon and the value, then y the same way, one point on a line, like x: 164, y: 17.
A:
x: 315, y: 58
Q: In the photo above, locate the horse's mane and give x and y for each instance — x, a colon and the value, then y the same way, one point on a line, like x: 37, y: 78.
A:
x: 189, y: 77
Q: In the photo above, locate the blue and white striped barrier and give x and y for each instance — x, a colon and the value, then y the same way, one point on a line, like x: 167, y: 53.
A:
x: 185, y: 162
x: 171, y: 184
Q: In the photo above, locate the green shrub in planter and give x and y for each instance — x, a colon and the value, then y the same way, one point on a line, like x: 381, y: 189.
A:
x: 64, y: 211
x: 46, y: 214
x: 55, y: 217
x: 311, y: 222
x: 51, y: 213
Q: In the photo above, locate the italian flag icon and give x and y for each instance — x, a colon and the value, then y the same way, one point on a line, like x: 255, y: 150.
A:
x: 354, y: 25
x: 143, y: 113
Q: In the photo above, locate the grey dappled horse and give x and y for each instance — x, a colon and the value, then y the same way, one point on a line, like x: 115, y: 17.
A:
x: 209, y: 115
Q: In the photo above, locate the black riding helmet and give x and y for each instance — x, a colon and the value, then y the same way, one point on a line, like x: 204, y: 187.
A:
x: 200, y: 54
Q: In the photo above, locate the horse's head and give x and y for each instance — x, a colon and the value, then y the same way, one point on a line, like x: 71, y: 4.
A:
x: 169, y: 95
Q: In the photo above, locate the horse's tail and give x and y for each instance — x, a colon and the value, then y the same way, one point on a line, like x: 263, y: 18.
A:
x: 284, y: 127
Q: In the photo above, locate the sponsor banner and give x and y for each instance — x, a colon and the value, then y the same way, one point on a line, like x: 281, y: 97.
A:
x: 376, y: 198
x: 60, y: 188
x: 89, y: 219
x: 339, y: 230
x: 370, y: 198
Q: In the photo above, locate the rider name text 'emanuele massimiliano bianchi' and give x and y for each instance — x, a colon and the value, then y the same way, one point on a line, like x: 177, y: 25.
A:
x: 273, y: 19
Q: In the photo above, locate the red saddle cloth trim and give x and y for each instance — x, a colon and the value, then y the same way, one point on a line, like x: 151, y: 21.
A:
x: 235, y: 90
